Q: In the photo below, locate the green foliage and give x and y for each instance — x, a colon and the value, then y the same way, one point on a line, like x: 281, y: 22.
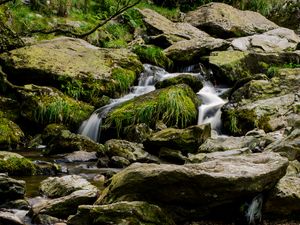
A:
x: 73, y: 88
x: 274, y: 69
x: 124, y: 79
x: 175, y: 106
x: 17, y: 166
x: 154, y: 55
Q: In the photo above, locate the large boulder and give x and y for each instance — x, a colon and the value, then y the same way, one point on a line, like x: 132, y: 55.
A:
x: 284, y: 199
x: 79, y: 69
x: 280, y: 39
x: 174, y: 105
x: 120, y: 213
x: 164, y: 32
x: 11, y: 135
x: 224, y: 21
x: 46, y: 105
x: 186, y: 140
x: 11, y: 189
x: 10, y: 218
x: 265, y: 104
x: 54, y: 187
x: 197, y: 187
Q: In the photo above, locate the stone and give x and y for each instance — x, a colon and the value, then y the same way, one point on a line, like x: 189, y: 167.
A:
x: 280, y: 39
x: 189, y: 51
x: 162, y: 28
x: 54, y: 187
x: 224, y: 21
x: 10, y: 108
x: 284, y: 199
x: 136, y: 212
x: 64, y: 206
x: 80, y: 156
x: 198, y: 187
x: 60, y: 140
x: 186, y: 140
x: 15, y: 164
x: 11, y: 189
x: 11, y: 135
x: 8, y: 39
x: 74, y: 66
x: 288, y: 147
x: 176, y: 106
x: 9, y: 218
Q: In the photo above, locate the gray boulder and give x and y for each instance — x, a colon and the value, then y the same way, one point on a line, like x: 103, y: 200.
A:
x: 224, y: 21
x: 9, y: 218
x: 197, y: 187
x: 11, y: 189
x: 119, y: 213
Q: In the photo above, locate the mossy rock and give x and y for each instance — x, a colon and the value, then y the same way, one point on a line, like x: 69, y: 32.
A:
x: 15, y: 164
x: 194, y: 82
x: 176, y: 106
x: 11, y: 189
x: 9, y: 108
x: 45, y: 105
x: 74, y: 66
x: 120, y: 213
x: 9, y: 39
x: 11, y: 134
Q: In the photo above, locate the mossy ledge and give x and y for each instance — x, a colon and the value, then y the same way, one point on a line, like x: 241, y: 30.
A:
x: 176, y: 106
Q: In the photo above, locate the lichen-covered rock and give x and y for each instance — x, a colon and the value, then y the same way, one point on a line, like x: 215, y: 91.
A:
x: 131, y: 151
x: 54, y: 187
x: 186, y: 140
x: 11, y: 134
x: 15, y: 164
x: 194, y: 82
x: 11, y: 189
x: 120, y: 213
x: 284, y: 200
x: 60, y: 140
x: 46, y: 105
x: 197, y: 187
x: 288, y: 147
x: 224, y: 21
x: 265, y: 104
x: 175, y: 106
x: 74, y: 66
x: 189, y: 51
x: 280, y: 39
x: 161, y: 28
x: 64, y: 206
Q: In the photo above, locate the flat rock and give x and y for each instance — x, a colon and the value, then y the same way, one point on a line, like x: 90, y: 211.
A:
x: 222, y: 20
x: 210, y: 184
x: 119, y: 213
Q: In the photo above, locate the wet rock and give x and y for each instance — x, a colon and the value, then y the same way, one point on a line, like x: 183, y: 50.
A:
x: 221, y: 20
x: 11, y: 135
x: 288, y: 147
x: 60, y: 140
x: 11, y: 189
x: 139, y: 133
x: 20, y: 204
x: 131, y: 151
x: 165, y: 32
x: 194, y: 82
x: 186, y: 140
x: 166, y: 185
x: 15, y: 164
x: 189, y: 51
x: 175, y: 105
x: 44, y: 219
x: 54, y: 187
x: 284, y: 200
x: 9, y: 218
x: 293, y: 168
x: 46, y: 105
x: 172, y: 155
x: 119, y: 213
x: 81, y: 156
x: 118, y: 162
x: 74, y: 66
x: 280, y: 39
x: 64, y: 206
x: 9, y: 108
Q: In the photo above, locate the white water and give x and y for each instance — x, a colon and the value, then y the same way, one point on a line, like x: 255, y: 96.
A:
x: 209, y: 111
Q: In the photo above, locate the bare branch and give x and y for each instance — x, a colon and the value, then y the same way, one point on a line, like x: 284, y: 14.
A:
x: 73, y: 33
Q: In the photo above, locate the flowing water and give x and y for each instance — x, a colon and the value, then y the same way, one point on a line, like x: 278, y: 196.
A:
x: 209, y: 111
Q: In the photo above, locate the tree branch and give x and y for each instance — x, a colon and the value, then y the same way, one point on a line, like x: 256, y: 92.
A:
x: 72, y: 33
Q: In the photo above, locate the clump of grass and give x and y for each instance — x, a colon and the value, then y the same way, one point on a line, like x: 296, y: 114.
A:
x: 153, y: 55
x: 274, y: 69
x: 124, y: 79
x: 176, y: 106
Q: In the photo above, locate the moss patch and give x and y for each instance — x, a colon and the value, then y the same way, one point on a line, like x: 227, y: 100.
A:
x: 14, y: 164
x: 10, y: 134
x: 175, y: 106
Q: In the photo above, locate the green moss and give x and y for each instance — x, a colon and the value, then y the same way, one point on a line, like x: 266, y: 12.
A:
x: 17, y: 166
x: 175, y: 106
x: 10, y: 133
x: 154, y: 55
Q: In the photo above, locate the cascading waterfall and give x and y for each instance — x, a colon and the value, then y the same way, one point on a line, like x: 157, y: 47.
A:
x: 209, y: 111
